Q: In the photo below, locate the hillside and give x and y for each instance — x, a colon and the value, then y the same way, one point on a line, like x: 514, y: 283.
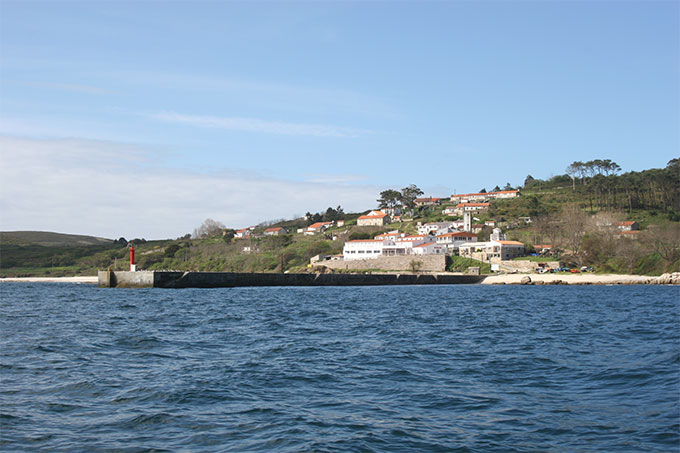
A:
x: 566, y: 212
x: 49, y: 239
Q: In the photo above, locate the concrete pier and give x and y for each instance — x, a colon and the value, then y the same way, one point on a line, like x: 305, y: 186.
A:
x: 171, y: 279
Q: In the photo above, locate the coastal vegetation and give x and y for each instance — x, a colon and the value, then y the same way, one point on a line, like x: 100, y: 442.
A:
x: 576, y: 213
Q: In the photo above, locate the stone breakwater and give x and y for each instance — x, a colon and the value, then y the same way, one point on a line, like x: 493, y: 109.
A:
x: 170, y: 279
x: 583, y: 279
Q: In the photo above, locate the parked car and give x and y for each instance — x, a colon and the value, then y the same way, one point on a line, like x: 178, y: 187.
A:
x: 574, y: 271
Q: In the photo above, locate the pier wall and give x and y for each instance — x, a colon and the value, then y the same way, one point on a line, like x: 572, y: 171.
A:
x: 163, y: 279
x: 428, y: 263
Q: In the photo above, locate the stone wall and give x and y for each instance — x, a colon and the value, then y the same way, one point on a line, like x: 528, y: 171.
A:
x: 430, y: 263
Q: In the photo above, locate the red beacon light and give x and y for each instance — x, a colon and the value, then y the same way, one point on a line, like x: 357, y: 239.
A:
x: 133, y: 266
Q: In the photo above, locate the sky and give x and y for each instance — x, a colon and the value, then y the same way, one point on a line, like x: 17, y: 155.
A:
x: 142, y: 119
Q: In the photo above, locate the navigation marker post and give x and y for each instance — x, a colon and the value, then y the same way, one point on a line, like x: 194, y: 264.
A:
x: 133, y: 266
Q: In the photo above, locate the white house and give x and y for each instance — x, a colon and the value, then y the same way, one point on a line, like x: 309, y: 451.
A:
x: 433, y: 227
x: 471, y: 207
x: 242, y: 233
x: 451, y: 241
x: 505, y: 194
x: 429, y: 248
x: 317, y: 227
x: 373, y: 218
x: 470, y: 197
x: 481, y: 197
x: 392, y: 235
x: 485, y: 251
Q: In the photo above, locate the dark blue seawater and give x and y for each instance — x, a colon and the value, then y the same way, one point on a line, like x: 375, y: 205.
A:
x: 419, y: 368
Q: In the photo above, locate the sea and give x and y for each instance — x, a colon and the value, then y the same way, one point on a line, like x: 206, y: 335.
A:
x: 466, y: 368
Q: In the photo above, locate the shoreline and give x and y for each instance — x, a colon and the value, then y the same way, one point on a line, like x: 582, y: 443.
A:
x: 79, y: 279
x: 581, y: 279
x: 502, y: 279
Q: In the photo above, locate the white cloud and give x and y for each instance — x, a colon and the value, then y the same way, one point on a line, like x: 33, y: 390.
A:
x: 258, y: 125
x: 111, y: 190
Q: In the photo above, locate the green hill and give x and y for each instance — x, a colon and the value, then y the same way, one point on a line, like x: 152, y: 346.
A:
x: 49, y: 239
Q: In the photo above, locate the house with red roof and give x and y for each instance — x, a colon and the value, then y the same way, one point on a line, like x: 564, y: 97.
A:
x: 275, y: 231
x: 628, y: 226
x: 243, y: 233
x: 429, y: 201
x: 373, y: 218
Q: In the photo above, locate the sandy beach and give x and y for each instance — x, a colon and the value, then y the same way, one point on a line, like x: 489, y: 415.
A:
x: 581, y: 279
x: 81, y: 279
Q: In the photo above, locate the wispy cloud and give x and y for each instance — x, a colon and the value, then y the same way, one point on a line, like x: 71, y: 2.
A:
x: 78, y: 88
x: 258, y: 125
x: 111, y: 189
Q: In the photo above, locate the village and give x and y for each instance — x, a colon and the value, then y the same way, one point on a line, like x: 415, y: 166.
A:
x: 460, y: 236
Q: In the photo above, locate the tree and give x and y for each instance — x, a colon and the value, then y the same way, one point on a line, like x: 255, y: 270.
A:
x: 573, y: 170
x: 507, y: 186
x: 208, y: 228
x: 664, y: 240
x: 334, y: 214
x: 389, y: 199
x: 483, y: 190
x: 496, y: 189
x: 409, y: 195
x: 528, y: 181
x: 573, y: 222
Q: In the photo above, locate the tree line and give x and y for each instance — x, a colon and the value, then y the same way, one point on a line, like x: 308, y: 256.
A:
x: 599, y: 183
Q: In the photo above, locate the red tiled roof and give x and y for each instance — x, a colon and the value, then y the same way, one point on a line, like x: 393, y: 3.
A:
x: 510, y: 242
x: 318, y: 224
x: 626, y: 223
x: 424, y: 245
x: 271, y: 230
x: 457, y: 234
x: 374, y: 216
x: 366, y: 240
x: 462, y: 205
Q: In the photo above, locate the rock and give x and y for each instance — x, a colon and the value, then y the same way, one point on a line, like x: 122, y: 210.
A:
x: 525, y: 280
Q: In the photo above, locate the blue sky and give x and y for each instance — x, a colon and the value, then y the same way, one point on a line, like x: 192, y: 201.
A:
x: 249, y: 111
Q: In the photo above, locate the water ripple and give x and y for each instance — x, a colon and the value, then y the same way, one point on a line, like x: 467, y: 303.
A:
x: 446, y: 368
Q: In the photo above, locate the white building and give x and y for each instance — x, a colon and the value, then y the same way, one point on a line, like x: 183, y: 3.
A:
x: 242, y: 233
x: 317, y: 227
x: 451, y: 241
x: 485, y: 251
x: 373, y: 248
x: 429, y: 248
x: 471, y: 207
x: 392, y: 235
x: 433, y: 227
x: 361, y: 249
